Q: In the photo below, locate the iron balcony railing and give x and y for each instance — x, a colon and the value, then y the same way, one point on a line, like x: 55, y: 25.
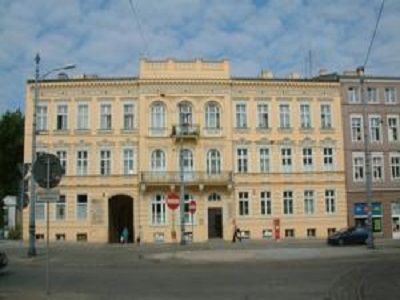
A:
x: 188, y: 177
x: 185, y: 131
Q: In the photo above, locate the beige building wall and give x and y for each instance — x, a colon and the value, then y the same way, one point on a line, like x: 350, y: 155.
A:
x: 162, y: 82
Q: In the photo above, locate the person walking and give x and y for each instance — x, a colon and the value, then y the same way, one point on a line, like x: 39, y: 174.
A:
x: 125, y: 235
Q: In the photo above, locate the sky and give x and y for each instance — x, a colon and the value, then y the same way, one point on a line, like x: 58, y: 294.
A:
x: 107, y: 37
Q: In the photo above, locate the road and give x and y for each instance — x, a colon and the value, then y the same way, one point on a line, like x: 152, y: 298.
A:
x: 118, y: 272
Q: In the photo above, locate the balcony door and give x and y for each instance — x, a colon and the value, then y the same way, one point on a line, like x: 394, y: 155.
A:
x: 186, y: 159
x: 185, y: 114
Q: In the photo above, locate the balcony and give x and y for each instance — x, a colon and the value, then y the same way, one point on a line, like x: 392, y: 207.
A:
x: 185, y: 131
x: 189, y: 178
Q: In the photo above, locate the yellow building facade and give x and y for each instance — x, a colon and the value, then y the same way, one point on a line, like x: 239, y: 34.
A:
x: 248, y: 151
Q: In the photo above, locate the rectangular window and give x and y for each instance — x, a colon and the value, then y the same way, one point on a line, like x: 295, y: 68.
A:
x: 358, y: 167
x: 305, y: 116
x: 62, y: 155
x: 353, y: 95
x: 40, y: 209
x: 82, y: 163
x: 375, y: 129
x: 105, y: 162
x: 326, y: 116
x: 128, y: 162
x: 60, y: 208
x: 372, y: 95
x: 393, y: 128
x: 158, y: 210
x: 288, y: 202
x: 241, y: 116
x: 309, y: 202
x: 286, y: 159
x: 395, y: 165
x: 62, y: 117
x: 307, y: 159
x: 390, y: 95
x: 289, y: 233
x: 377, y: 167
x: 129, y: 116
x: 81, y: 207
x: 330, y: 205
x: 242, y: 160
x: 83, y: 117
x: 311, y: 232
x: 243, y: 203
x: 265, y: 202
x: 328, y: 157
x: 356, y: 128
x: 284, y: 116
x: 105, y: 117
x: 41, y: 118
x: 262, y: 113
x: 264, y: 160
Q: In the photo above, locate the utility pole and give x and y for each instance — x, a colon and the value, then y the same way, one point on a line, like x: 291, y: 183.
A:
x: 368, y: 171
x: 32, y: 206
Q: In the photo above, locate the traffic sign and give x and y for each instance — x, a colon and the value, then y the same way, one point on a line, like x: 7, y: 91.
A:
x: 172, y: 201
x: 47, y: 170
x: 192, y: 207
x: 48, y: 195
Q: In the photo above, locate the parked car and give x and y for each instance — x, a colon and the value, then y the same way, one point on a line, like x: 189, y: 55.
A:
x: 352, y: 235
x: 3, y: 259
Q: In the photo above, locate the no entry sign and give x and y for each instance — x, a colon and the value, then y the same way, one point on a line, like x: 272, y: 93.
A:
x: 172, y: 201
x: 192, y: 207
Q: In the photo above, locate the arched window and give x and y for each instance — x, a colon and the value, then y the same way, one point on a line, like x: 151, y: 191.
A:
x: 158, y: 210
x: 158, y: 161
x: 214, y: 197
x: 212, y: 116
x: 158, y: 116
x: 213, y: 162
x: 185, y: 113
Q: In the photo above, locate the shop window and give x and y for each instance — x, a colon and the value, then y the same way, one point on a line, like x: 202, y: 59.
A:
x: 245, y: 234
x: 361, y: 215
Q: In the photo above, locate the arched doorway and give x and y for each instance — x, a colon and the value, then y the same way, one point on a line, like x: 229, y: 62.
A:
x: 120, y: 215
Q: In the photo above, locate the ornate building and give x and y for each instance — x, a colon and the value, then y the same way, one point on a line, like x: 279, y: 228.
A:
x: 249, y: 151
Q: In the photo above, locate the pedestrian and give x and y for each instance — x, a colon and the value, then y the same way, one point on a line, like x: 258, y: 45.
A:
x: 234, y: 235
x: 125, y: 235
x: 238, y: 234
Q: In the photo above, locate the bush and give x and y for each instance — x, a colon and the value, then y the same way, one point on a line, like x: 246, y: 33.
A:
x: 15, y: 233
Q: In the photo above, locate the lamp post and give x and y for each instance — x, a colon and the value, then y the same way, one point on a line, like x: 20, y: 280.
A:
x: 38, y: 78
x: 368, y: 171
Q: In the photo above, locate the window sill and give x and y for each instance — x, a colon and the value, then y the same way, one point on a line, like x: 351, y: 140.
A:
x: 61, y: 131
x: 327, y: 129
x: 242, y: 129
x: 105, y: 131
x: 82, y: 131
x: 307, y: 129
x: 127, y: 131
x: 285, y: 130
x: 42, y: 132
x: 264, y: 129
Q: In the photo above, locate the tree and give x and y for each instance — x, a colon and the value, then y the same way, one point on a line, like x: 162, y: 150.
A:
x: 11, y: 153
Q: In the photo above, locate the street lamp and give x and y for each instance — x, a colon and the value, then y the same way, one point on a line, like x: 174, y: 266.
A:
x: 368, y: 171
x: 38, y: 78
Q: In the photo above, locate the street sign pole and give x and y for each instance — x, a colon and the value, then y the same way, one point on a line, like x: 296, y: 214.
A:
x: 192, y: 229
x: 48, y: 229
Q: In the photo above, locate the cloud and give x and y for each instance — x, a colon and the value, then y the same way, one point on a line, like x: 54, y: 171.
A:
x: 103, y: 36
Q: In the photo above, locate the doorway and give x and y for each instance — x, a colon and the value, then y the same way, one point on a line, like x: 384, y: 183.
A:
x: 120, y: 215
x: 215, y: 228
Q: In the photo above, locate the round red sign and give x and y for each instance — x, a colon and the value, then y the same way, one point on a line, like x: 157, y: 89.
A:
x: 192, y: 207
x: 173, y: 201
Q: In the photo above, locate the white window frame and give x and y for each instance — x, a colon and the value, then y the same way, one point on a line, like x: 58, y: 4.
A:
x: 158, y: 210
x: 105, y: 116
x: 82, y: 116
x: 394, y: 166
x: 243, y: 203
x: 63, y: 157
x: 264, y: 159
x: 242, y: 160
x: 129, y: 161
x: 213, y: 162
x: 308, y: 160
x: 62, y: 117
x: 287, y: 159
x: 377, y: 164
x: 241, y: 115
x: 82, y: 208
x: 40, y: 211
x: 61, y: 204
x: 82, y: 162
x: 357, y: 128
x: 390, y: 95
x: 328, y: 159
x: 213, y: 116
x: 262, y: 115
x: 129, y: 116
x: 330, y: 201
x: 157, y: 116
x: 375, y: 128
x: 305, y: 116
x: 326, y: 116
x: 42, y: 117
x: 309, y: 202
x: 393, y: 129
x: 353, y: 94
x: 358, y: 164
x: 288, y: 203
x: 372, y: 95
x: 158, y: 161
x: 265, y: 203
x: 284, y: 116
x: 105, y: 159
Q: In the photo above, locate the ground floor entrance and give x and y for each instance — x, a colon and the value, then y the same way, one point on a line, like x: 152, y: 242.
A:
x: 215, y: 227
x: 120, y: 216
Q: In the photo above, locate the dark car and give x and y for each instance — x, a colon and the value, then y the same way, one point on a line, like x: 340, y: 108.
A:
x: 352, y: 235
x: 3, y: 259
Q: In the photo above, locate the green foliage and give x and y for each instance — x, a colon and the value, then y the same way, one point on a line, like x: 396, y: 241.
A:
x: 11, y: 153
x: 15, y: 233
